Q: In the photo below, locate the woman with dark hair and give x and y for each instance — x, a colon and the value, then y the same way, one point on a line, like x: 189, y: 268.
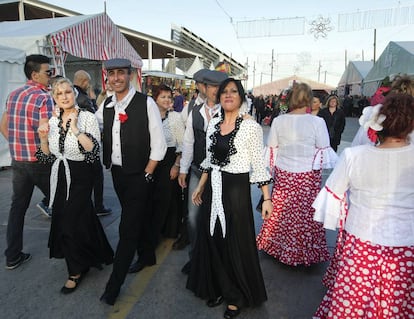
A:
x: 334, y: 118
x: 374, y: 272
x: 402, y: 84
x: 225, y: 263
x: 297, y: 150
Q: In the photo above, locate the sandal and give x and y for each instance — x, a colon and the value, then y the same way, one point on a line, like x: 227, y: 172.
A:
x: 66, y: 290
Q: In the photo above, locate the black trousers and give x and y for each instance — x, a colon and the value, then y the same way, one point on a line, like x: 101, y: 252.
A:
x: 98, y: 186
x: 134, y: 229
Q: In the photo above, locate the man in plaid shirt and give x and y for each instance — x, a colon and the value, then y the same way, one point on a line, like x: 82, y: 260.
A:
x: 26, y: 109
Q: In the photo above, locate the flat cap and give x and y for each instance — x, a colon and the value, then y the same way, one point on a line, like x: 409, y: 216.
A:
x: 213, y: 77
x: 199, y: 75
x: 117, y: 64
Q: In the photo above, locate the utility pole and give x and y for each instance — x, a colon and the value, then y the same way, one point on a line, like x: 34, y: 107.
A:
x: 319, y: 71
x: 375, y: 44
x: 346, y: 58
x: 271, y: 67
x: 261, y: 77
x: 324, y: 81
x: 254, y: 72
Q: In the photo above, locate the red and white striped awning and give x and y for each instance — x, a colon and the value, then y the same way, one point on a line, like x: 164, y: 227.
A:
x: 95, y: 38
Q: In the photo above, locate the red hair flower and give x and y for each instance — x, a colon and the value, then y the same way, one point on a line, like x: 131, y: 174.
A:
x: 123, y: 117
x: 372, y: 135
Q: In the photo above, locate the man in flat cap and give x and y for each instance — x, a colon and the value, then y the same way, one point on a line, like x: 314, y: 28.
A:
x: 133, y: 143
x: 183, y: 240
x: 194, y: 148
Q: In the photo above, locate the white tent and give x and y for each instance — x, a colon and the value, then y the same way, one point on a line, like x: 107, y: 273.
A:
x: 397, y: 58
x: 92, y: 37
x: 11, y: 77
x: 351, y: 82
x: 195, y: 66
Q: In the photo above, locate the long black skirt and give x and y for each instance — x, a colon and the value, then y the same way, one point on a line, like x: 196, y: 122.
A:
x: 76, y: 233
x: 164, y: 204
x: 229, y: 266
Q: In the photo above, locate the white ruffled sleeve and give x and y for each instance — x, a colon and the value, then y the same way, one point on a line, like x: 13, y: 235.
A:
x: 259, y: 173
x: 331, y: 203
x: 271, y: 149
x: 325, y: 156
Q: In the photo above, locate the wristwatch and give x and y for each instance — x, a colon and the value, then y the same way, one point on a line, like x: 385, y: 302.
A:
x: 149, y: 178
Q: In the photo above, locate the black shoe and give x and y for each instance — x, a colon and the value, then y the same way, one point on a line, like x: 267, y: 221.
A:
x: 66, y: 290
x: 103, y: 212
x: 108, y: 299
x: 215, y: 302
x: 180, y: 243
x: 19, y: 261
x: 138, y: 266
x: 186, y: 269
x: 230, y: 313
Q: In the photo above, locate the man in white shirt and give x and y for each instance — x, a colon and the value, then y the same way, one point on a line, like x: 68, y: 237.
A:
x: 133, y: 144
x: 194, y: 148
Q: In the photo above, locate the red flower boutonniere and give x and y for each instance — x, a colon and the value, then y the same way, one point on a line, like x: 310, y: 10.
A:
x: 123, y: 117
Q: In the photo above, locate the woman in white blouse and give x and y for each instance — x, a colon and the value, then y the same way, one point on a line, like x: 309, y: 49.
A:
x: 374, y: 273
x: 225, y: 263
x: 71, y: 142
x: 297, y: 150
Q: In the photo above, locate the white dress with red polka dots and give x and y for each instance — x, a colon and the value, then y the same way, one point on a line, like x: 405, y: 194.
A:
x: 297, y: 150
x: 372, y: 272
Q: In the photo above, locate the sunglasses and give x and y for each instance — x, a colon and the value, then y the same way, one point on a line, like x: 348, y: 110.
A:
x: 48, y: 72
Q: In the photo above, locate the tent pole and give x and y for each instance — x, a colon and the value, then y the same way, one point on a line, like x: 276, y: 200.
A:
x: 21, y: 10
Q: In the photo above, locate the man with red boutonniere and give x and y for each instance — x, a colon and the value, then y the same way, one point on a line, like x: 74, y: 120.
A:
x: 133, y: 144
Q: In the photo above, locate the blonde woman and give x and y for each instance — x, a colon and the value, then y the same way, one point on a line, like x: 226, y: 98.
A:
x: 70, y: 141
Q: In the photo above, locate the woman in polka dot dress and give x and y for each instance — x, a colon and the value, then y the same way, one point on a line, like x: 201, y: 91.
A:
x: 374, y: 270
x: 225, y: 263
x: 70, y: 141
x: 298, y: 148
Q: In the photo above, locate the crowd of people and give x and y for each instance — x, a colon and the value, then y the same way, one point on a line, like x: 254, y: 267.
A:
x: 184, y: 171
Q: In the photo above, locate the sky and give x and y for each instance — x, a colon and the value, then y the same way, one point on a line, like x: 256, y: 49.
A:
x: 220, y: 23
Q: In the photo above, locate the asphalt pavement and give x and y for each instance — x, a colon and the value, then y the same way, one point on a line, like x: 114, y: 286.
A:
x: 33, y: 290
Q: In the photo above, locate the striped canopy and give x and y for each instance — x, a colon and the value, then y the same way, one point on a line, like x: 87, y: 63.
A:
x: 93, y: 37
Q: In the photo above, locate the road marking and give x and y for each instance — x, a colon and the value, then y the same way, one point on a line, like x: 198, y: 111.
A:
x: 129, y: 298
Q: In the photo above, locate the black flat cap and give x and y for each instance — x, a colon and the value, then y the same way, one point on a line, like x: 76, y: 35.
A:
x: 117, y: 64
x: 213, y: 77
x: 199, y: 75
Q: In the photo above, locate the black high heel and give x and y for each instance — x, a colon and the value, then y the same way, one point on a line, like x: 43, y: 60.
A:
x: 77, y: 280
x: 231, y: 313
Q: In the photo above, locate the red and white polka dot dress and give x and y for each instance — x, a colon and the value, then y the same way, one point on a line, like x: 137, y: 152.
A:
x: 290, y: 234
x: 372, y: 281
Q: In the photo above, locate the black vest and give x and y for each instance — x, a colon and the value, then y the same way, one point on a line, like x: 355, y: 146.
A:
x: 199, y: 147
x: 135, y: 136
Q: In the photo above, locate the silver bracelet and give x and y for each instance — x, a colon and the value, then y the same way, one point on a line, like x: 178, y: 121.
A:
x: 78, y: 133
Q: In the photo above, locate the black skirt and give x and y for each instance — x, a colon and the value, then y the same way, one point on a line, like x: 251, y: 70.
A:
x: 229, y: 266
x: 76, y: 233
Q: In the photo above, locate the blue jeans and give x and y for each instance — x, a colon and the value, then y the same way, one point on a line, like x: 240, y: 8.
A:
x: 193, y: 210
x: 26, y: 175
